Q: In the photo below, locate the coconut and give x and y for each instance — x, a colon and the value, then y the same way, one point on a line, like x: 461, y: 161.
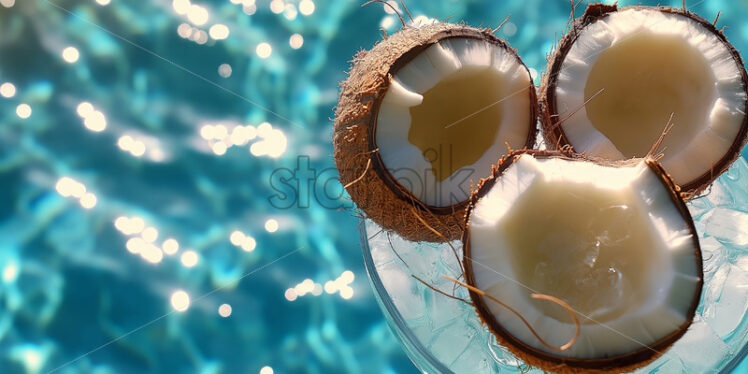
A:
x: 422, y: 114
x: 613, y: 240
x: 619, y: 75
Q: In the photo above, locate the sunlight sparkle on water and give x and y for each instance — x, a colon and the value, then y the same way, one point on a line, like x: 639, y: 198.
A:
x: 296, y: 41
x: 184, y: 30
x: 224, y: 70
x: 290, y: 12
x: 346, y: 292
x: 129, y: 226
x: 152, y: 254
x: 224, y: 310
x: 137, y: 224
x: 93, y: 119
x: 70, y: 55
x: 249, y: 244
x: 135, y: 245
x: 197, y: 15
x: 347, y: 277
x: 277, y: 6
x: 10, y: 272
x: 170, y: 246
x: 96, y: 121
x: 306, y: 7
x: 32, y: 357
x: 509, y: 29
x: 273, y: 143
x: 88, y: 200
x: 149, y: 234
x: 341, y: 285
x: 243, y: 241
x: 180, y: 300
x: 220, y: 139
x: 199, y: 36
x: 189, y: 258
x: 136, y: 148
x: 241, y: 135
x: 249, y: 9
x: 387, y: 22
x: 69, y: 187
x: 181, y: 6
x: 271, y: 225
x: 290, y: 294
x: 307, y: 286
x: 219, y: 149
x: 264, y: 50
x: 236, y: 238
x: 23, y: 111
x: 391, y: 7
x: 8, y: 90
x: 84, y: 109
x: 219, y: 31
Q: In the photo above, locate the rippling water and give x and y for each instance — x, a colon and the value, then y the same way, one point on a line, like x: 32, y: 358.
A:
x: 150, y: 218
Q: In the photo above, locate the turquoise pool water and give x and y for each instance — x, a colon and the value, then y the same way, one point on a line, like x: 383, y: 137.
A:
x: 168, y: 202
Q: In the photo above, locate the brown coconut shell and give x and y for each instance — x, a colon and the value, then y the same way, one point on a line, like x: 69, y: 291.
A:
x: 554, y: 135
x: 559, y: 364
x: 371, y: 186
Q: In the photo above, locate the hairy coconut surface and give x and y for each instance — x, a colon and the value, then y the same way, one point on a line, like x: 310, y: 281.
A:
x: 694, y: 157
x: 528, y: 349
x: 368, y: 181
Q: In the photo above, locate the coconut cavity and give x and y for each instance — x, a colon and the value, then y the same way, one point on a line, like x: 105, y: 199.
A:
x: 443, y: 119
x: 450, y: 113
x: 615, y: 242
x: 640, y: 94
x: 629, y: 70
x: 599, y: 261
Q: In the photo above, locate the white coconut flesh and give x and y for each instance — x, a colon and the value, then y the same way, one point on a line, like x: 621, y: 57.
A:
x: 609, y: 241
x: 449, y: 114
x: 650, y: 64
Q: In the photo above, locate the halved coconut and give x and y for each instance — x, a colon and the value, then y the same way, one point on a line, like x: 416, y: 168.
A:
x: 421, y: 115
x: 614, y: 241
x: 634, y: 67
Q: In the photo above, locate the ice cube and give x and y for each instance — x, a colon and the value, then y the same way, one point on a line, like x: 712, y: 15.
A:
x: 451, y: 343
x: 667, y: 364
x: 422, y: 259
x: 402, y: 290
x: 450, y: 264
x: 713, y: 290
x: 700, y: 349
x: 727, y: 311
x: 473, y: 361
x: 444, y: 311
x: 719, y: 194
x: 379, y: 246
x: 728, y: 226
x: 713, y: 255
x: 699, y: 206
x: 737, y: 180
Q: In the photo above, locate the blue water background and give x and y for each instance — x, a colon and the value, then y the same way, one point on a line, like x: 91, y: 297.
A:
x: 73, y: 299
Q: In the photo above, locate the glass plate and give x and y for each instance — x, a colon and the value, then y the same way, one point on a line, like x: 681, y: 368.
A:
x: 442, y: 335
